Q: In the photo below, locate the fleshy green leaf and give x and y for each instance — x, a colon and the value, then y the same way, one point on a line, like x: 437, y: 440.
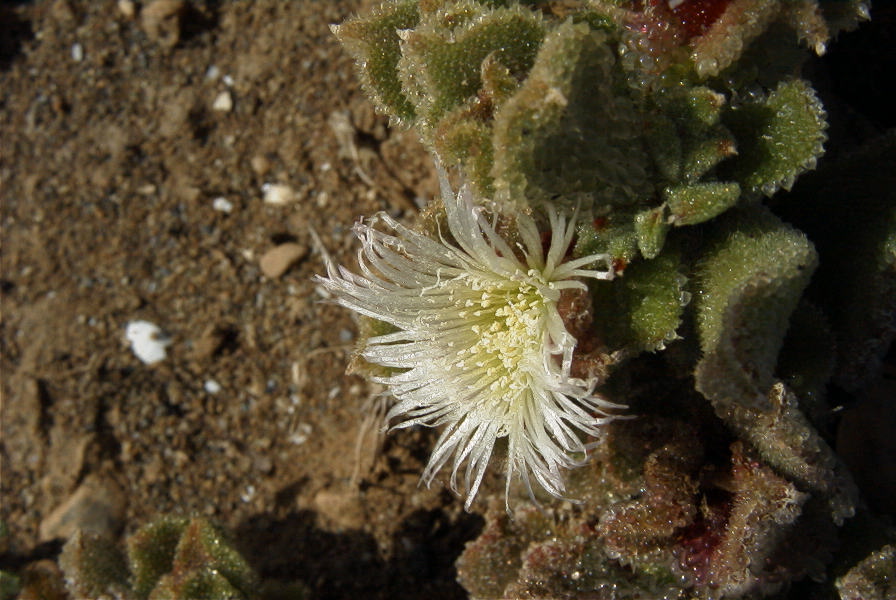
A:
x: 374, y: 43
x: 614, y: 234
x: 441, y: 63
x: 642, y: 309
x: 94, y: 567
x: 777, y: 138
x: 699, y: 202
x: 705, y: 153
x: 151, y: 551
x: 204, y: 549
x: 651, y: 227
x: 571, y: 131
x: 749, y: 284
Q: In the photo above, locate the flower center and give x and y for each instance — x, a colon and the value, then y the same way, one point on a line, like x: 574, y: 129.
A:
x: 505, y: 335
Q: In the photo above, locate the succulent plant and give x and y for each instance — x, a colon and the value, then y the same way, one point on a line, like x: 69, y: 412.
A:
x: 168, y: 558
x: 672, y: 134
x: 874, y: 578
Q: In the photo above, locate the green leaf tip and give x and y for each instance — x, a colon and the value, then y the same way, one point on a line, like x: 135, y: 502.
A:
x: 699, y: 202
x: 374, y: 42
x: 778, y: 138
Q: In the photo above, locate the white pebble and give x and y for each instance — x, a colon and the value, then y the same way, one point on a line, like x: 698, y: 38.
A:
x: 148, y: 342
x: 277, y: 193
x: 213, y: 73
x: 301, y: 434
x: 223, y: 103
x: 211, y: 386
x: 228, y: 80
x: 222, y: 204
x: 77, y: 52
x: 127, y: 8
x: 248, y: 494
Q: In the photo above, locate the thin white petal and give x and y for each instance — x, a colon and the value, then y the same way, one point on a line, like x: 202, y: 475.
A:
x: 480, y: 347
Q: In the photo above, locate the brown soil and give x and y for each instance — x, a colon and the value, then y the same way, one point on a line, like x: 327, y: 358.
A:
x: 112, y: 152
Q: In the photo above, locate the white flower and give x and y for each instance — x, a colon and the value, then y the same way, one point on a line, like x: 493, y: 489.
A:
x: 480, y: 347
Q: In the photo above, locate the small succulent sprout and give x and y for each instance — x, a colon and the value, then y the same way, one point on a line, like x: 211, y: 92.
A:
x: 479, y: 346
x: 187, y: 558
x: 171, y: 558
x: 651, y: 227
x: 151, y: 551
x: 94, y: 567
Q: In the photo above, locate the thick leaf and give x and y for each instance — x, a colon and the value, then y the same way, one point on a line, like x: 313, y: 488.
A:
x: 778, y: 138
x: 571, y: 131
x: 373, y: 41
x: 749, y: 284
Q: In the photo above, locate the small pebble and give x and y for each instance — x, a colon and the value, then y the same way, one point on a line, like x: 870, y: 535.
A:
x: 276, y: 261
x: 127, y: 8
x: 342, y: 506
x: 260, y: 165
x: 278, y: 193
x: 301, y: 434
x: 211, y: 386
x: 161, y: 21
x: 97, y: 506
x: 148, y: 342
x: 223, y: 103
x: 77, y: 52
x: 61, y: 10
x: 248, y: 494
x: 222, y: 204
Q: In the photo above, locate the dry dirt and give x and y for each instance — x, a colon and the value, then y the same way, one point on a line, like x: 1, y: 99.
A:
x: 116, y: 140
